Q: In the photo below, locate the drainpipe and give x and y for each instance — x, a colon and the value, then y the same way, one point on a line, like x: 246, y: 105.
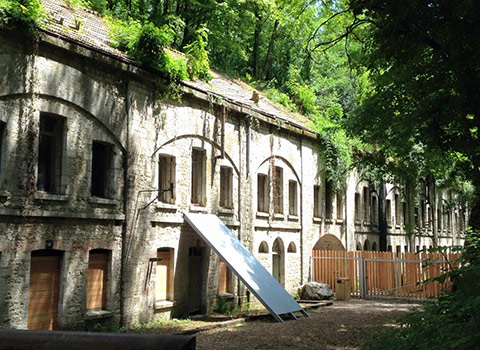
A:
x: 302, y: 255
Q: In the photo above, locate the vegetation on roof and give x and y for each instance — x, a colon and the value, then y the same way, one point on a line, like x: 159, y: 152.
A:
x: 22, y: 15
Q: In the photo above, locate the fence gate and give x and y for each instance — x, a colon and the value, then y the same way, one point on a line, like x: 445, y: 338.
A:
x: 384, y: 274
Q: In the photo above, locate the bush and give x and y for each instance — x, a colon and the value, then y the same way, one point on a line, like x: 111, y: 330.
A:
x: 24, y: 15
x: 451, y: 323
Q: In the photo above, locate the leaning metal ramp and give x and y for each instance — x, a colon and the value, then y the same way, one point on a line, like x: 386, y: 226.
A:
x: 244, y: 265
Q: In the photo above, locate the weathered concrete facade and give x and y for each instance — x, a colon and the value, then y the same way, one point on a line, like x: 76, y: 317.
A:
x: 261, y: 174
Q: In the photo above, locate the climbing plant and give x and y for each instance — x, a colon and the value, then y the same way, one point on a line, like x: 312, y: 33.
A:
x: 23, y: 15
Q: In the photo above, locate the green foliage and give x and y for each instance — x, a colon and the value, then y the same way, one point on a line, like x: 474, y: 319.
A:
x: 224, y: 306
x: 148, y: 45
x: 24, y: 15
x: 452, y: 322
x: 197, y: 55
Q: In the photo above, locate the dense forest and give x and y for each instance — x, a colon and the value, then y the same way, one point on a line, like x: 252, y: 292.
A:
x: 392, y: 88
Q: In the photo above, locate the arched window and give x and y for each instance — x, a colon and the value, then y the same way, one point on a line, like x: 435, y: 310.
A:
x: 263, y: 247
x: 374, y: 246
x: 366, y: 245
x: 291, y: 248
x: 359, y: 246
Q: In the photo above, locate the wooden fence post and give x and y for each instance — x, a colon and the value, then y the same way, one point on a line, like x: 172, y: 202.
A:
x: 362, y: 275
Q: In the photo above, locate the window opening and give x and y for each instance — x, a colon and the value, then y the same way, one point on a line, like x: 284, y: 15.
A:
x: 102, y: 169
x: 226, y: 188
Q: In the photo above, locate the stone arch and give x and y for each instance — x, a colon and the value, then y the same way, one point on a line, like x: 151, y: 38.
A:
x: 203, y: 138
x: 292, y: 248
x: 329, y: 242
x: 287, y: 163
x: 263, y: 247
x: 278, y: 261
x: 367, y: 245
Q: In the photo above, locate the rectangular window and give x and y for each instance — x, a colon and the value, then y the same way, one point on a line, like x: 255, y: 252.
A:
x: 199, y: 159
x: 166, y: 179
x: 164, y: 275
x: 439, y: 219
x: 226, y: 188
x: 277, y: 190
x: 328, y: 199
x: 404, y: 213
x: 357, y: 206
x: 374, y: 210
x: 97, y: 284
x: 224, y: 279
x: 292, y: 198
x: 388, y: 211
x: 422, y: 208
x: 50, y: 154
x: 2, y: 147
x: 417, y: 223
x: 366, y: 211
x: 397, y: 210
x: 316, y: 202
x: 102, y: 169
x: 340, y: 206
x: 262, y: 193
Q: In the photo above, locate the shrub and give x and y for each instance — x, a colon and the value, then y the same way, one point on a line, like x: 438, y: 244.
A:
x: 22, y: 15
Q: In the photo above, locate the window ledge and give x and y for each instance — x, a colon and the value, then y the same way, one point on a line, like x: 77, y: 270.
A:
x: 226, y: 296
x: 105, y: 201
x: 166, y: 206
x: 278, y: 216
x: 317, y: 220
x: 397, y: 227
x: 98, y: 314
x: 226, y: 211
x: 261, y: 214
x: 5, y: 194
x: 197, y: 209
x: 45, y: 196
x: 366, y: 223
x: 164, y: 304
x: 389, y: 225
x: 358, y: 222
x: 293, y: 217
x: 329, y: 221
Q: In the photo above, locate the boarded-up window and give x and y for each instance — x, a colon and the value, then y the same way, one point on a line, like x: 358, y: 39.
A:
x: 374, y: 210
x: 50, y: 154
x: 422, y: 208
x: 357, y: 206
x: 366, y: 207
x: 388, y: 211
x: 397, y: 210
x: 328, y: 199
x: 439, y: 219
x: 224, y: 278
x: 262, y: 193
x: 199, y: 176
x: 97, y: 280
x: 226, y: 188
x: 102, y: 169
x: 164, y: 275
x: 404, y: 213
x: 277, y: 190
x: 340, y: 206
x: 2, y: 147
x: 316, y: 202
x: 292, y: 198
x: 166, y: 179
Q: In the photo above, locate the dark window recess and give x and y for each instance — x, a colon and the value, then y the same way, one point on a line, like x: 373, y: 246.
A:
x: 102, y: 169
x: 262, y: 193
x: 226, y: 188
x: 2, y: 146
x: 277, y: 190
x: 316, y: 201
x: 292, y: 198
x: 198, y: 177
x: 166, y: 179
x: 50, y: 154
x: 328, y: 199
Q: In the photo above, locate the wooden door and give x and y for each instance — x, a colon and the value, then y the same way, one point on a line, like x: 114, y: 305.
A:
x: 97, y: 281
x: 43, y: 292
x: 276, y: 271
x: 162, y: 278
x: 195, y: 280
x: 223, y: 278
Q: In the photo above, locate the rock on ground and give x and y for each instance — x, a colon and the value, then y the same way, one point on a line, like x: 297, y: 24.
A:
x: 315, y: 291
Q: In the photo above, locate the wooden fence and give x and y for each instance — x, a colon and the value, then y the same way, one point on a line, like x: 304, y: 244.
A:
x: 384, y: 274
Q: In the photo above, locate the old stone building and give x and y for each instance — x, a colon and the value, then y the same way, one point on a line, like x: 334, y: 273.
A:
x: 97, y: 169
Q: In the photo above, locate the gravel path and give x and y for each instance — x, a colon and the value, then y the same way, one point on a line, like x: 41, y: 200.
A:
x: 344, y: 325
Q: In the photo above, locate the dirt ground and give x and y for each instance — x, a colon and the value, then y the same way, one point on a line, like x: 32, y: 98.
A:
x: 344, y: 325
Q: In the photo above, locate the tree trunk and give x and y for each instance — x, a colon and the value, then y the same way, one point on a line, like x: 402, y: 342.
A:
x: 256, y: 42
x: 382, y: 217
x: 266, y: 64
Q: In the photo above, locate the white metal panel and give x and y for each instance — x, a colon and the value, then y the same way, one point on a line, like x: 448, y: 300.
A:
x: 243, y: 264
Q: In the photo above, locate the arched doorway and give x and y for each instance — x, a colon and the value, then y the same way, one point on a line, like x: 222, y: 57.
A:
x: 278, y: 261
x: 367, y: 246
x: 329, y: 242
